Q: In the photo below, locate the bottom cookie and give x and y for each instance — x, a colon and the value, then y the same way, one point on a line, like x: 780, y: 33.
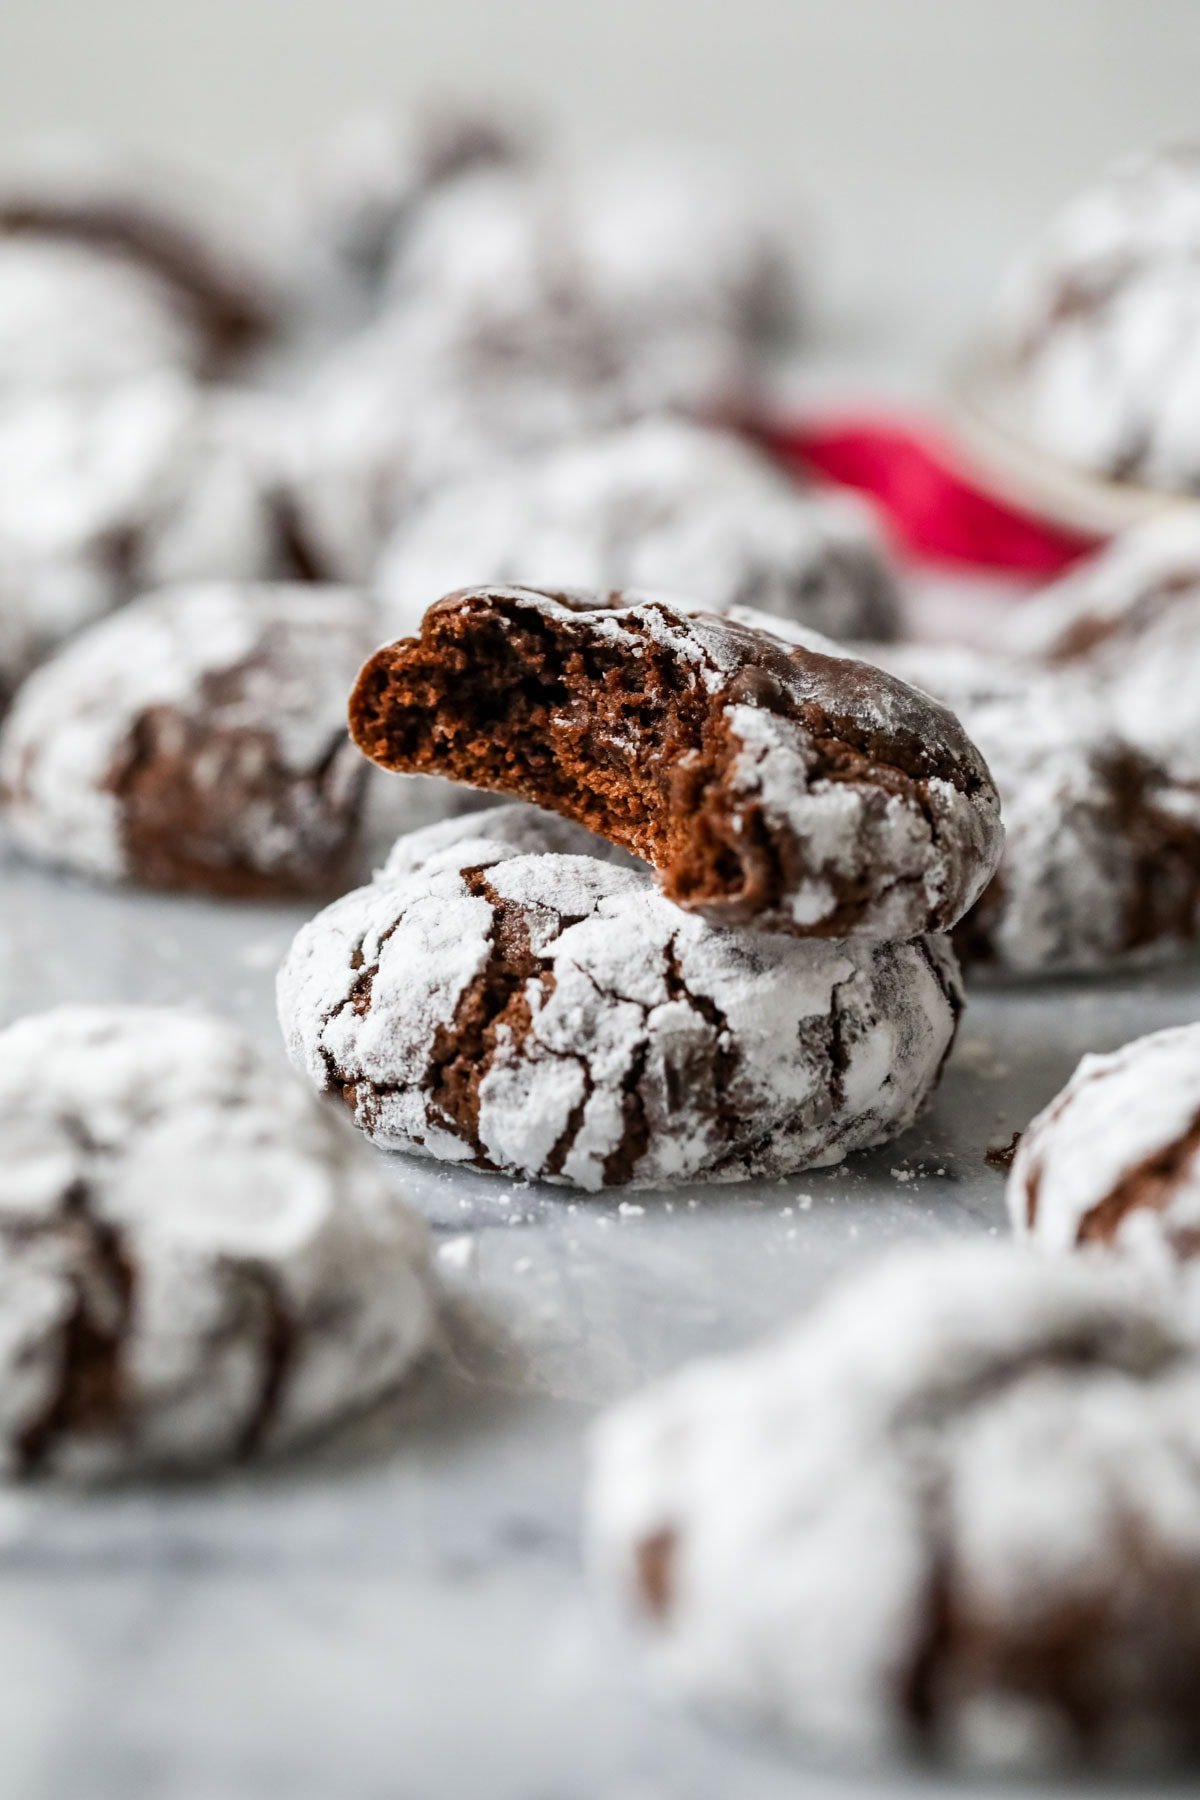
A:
x: 499, y: 1002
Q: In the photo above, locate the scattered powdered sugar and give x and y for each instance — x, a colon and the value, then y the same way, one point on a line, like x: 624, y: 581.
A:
x: 494, y: 1001
x: 271, y: 660
x: 662, y: 506
x: 1116, y: 1155
x: 196, y: 1260
x: 868, y: 1527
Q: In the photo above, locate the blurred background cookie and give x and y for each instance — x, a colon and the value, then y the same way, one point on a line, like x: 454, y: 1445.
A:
x: 196, y: 740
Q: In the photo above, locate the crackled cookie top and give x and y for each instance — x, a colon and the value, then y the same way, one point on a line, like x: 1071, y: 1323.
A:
x: 788, y: 785
x: 493, y: 1000
x: 1115, y: 1158
x: 196, y: 1261
x: 1095, y: 341
x: 196, y: 739
x: 958, y: 1507
x: 1101, y: 861
x: 663, y: 507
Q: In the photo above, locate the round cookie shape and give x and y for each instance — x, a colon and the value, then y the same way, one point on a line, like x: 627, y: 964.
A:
x: 411, y: 405
x: 1128, y: 620
x: 1101, y: 864
x: 70, y: 319
x: 105, y: 495
x: 613, y: 249
x: 363, y: 185
x: 662, y: 506
x: 172, y: 241
x: 551, y: 1016
x: 907, y: 1523
x: 1094, y: 343
x: 197, y: 1264
x: 1115, y: 1157
x: 196, y: 739
x: 790, y: 786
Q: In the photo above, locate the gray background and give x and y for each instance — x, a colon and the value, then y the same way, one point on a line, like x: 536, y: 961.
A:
x: 403, y: 1617
x: 925, y: 137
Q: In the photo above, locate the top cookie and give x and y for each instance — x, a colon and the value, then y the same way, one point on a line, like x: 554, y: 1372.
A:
x: 794, y: 788
x: 663, y: 506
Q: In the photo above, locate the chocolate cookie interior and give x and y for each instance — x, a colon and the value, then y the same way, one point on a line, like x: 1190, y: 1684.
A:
x: 621, y: 721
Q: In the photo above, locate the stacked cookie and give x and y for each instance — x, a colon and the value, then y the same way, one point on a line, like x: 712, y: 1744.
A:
x: 780, y: 996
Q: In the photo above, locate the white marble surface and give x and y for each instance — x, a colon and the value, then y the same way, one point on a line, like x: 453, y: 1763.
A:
x: 402, y: 1615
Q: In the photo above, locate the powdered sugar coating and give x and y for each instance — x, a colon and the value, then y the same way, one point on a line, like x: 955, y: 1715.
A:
x: 623, y: 245
x: 1115, y: 1157
x: 360, y: 187
x: 103, y: 495
x: 196, y: 1261
x: 907, y: 1521
x: 243, y: 686
x: 1096, y: 336
x: 412, y: 404
x: 880, y: 813
x: 661, y: 506
x: 1101, y: 863
x: 495, y: 1001
x: 70, y: 317
x: 1128, y: 621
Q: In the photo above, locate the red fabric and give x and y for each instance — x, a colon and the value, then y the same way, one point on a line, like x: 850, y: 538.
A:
x: 939, y: 512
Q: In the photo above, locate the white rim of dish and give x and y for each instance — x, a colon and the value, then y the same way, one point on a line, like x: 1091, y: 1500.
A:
x: 984, y: 419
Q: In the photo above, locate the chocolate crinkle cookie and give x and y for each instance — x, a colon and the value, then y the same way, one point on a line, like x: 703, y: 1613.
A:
x: 1115, y: 1158
x: 498, y: 1000
x: 362, y: 188
x: 1094, y: 345
x: 411, y: 404
x: 606, y: 250
x: 662, y: 506
x: 104, y: 495
x: 196, y: 1262
x: 955, y: 1511
x: 129, y: 229
x: 1127, y: 621
x: 790, y: 786
x: 196, y: 739
x: 1101, y: 864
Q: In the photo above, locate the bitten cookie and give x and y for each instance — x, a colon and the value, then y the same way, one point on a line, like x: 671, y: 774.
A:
x: 493, y: 1001
x: 1094, y: 344
x: 661, y: 506
x: 1115, y: 1158
x: 196, y: 1262
x: 1101, y: 862
x: 105, y: 495
x: 196, y: 739
x: 956, y: 1509
x: 789, y: 786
